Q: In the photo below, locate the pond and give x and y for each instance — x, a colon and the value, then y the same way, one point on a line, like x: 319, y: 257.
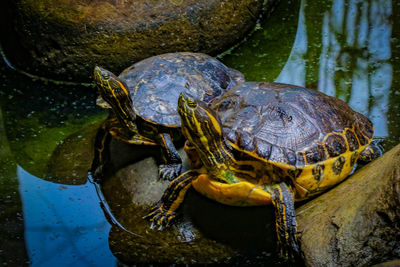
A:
x: 51, y: 213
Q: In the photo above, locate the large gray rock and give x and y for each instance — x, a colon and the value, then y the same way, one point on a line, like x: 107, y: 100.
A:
x: 65, y: 39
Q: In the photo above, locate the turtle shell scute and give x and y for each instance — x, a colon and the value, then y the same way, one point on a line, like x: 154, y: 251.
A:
x: 156, y: 82
x: 290, y: 124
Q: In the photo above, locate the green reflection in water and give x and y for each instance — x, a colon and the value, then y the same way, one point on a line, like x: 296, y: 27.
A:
x: 39, y: 116
x: 264, y: 54
x: 347, y: 49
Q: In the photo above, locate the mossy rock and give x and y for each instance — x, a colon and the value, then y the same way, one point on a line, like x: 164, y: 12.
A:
x: 65, y: 39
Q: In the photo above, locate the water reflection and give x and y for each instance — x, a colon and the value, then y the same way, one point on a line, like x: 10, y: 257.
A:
x: 342, y: 48
x: 354, y: 61
x: 63, y: 223
x: 294, y: 71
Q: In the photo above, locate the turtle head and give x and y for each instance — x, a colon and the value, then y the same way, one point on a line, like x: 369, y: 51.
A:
x: 202, y: 127
x: 116, y: 93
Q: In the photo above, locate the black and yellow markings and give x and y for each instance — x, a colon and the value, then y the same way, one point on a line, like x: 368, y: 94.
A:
x: 205, y: 131
x: 280, y: 218
x: 294, y: 173
x: 354, y: 158
x: 337, y: 165
x: 361, y: 138
x: 318, y: 172
x: 114, y: 90
x: 316, y: 154
x: 301, y: 159
x: 165, y: 145
x: 351, y: 139
x: 370, y: 152
x: 285, y: 223
x: 336, y: 144
x: 172, y: 199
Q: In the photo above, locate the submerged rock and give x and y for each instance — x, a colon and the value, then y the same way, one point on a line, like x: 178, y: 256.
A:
x: 71, y: 159
x: 130, y: 194
x: 358, y: 222
x: 65, y: 39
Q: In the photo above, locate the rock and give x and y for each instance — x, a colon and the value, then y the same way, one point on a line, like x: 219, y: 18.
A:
x: 130, y: 194
x: 71, y: 159
x: 208, y: 232
x: 358, y: 222
x: 65, y: 39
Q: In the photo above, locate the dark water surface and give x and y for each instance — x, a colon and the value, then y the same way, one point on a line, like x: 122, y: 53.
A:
x: 50, y: 213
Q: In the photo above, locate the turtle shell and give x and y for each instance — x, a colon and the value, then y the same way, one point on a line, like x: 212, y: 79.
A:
x: 155, y: 83
x: 290, y: 124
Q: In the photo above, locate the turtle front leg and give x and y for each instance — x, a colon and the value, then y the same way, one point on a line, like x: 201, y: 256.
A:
x: 165, y: 210
x: 371, y: 152
x: 172, y: 165
x: 101, y: 152
x: 285, y: 221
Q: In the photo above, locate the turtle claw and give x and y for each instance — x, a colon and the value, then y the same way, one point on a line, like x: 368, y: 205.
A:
x: 169, y: 171
x: 160, y: 218
x: 153, y: 225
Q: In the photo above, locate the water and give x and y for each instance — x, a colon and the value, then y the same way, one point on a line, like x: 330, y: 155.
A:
x: 50, y: 213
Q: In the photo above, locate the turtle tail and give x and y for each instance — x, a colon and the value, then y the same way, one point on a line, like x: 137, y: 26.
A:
x: 286, y: 229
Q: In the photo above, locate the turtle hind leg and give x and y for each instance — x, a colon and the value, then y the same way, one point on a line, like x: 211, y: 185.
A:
x: 371, y: 152
x: 285, y: 221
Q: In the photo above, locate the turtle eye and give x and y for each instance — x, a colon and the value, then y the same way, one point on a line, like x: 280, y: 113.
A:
x: 106, y: 76
x: 191, y: 103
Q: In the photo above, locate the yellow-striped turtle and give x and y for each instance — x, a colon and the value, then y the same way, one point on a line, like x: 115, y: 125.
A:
x: 143, y: 101
x: 263, y: 143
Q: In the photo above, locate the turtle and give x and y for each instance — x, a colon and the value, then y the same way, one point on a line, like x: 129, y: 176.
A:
x: 267, y: 143
x: 143, y: 102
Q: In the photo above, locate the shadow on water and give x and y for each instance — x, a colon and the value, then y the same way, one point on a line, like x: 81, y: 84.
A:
x: 49, y: 213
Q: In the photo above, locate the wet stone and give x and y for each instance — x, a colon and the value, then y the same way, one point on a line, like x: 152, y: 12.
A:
x: 130, y: 194
x: 65, y: 39
x: 71, y: 159
x: 207, y: 232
